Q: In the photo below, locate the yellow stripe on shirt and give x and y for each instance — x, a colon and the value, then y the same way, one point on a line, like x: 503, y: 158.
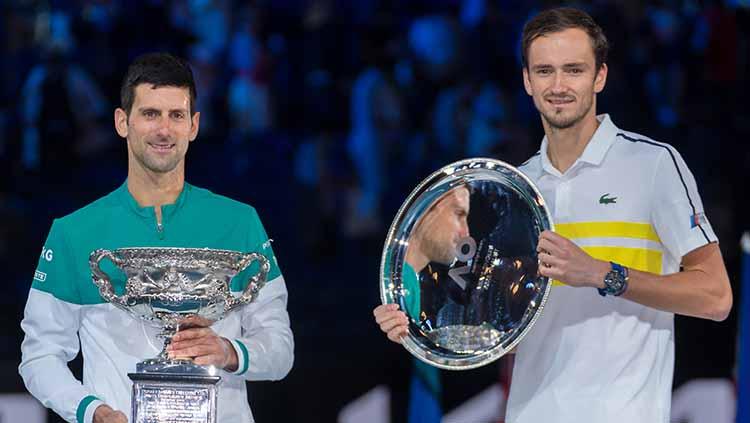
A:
x: 607, y: 230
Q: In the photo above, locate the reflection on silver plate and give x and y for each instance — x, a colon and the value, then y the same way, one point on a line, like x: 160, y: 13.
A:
x: 465, y: 339
x: 460, y: 259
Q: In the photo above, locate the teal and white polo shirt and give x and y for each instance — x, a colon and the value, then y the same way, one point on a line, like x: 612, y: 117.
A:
x: 64, y: 305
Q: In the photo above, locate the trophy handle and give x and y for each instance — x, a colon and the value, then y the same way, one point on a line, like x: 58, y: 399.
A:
x: 255, y: 283
x: 102, y: 280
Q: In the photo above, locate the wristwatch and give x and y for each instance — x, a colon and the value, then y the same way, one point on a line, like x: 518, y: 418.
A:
x: 615, y: 282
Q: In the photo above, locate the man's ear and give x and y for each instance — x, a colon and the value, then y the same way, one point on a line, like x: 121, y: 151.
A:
x: 196, y: 125
x: 526, y: 82
x: 601, y: 78
x: 121, y: 122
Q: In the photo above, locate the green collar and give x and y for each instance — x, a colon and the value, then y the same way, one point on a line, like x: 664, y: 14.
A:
x: 167, y: 210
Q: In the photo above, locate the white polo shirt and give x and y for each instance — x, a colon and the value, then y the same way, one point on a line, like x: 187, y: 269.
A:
x: 589, y: 358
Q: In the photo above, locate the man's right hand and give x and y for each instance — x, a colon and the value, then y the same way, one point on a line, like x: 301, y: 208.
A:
x: 392, y: 321
x: 105, y: 414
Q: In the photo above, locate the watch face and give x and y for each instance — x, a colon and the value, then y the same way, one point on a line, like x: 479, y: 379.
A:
x: 460, y: 260
x: 615, y: 282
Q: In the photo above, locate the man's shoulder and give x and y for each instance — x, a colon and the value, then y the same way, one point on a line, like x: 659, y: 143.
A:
x: 103, y: 207
x: 640, y: 146
x: 532, y: 164
x: 217, y: 203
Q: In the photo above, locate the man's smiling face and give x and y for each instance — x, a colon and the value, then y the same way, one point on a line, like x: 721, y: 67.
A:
x: 562, y: 78
x: 159, y: 127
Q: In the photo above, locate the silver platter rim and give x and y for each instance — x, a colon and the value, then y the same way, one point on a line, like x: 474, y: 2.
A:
x: 469, y: 362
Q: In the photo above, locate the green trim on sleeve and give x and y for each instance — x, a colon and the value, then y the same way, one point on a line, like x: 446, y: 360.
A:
x: 245, y: 357
x: 81, y: 411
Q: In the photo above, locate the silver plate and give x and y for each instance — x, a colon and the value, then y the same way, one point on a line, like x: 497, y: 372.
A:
x: 460, y: 259
x: 164, y: 398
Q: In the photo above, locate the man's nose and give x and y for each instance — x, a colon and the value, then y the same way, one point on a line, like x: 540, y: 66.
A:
x: 164, y: 127
x: 464, y: 231
x: 558, y: 83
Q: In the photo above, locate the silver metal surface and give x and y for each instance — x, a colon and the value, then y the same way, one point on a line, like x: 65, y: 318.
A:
x: 460, y: 259
x: 175, y: 400
x: 166, y: 285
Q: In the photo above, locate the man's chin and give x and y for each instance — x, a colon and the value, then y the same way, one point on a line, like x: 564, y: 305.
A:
x: 161, y: 167
x: 561, y: 122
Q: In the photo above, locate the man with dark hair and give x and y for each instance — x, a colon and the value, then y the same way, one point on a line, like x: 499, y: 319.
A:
x: 434, y: 240
x: 159, y: 70
x: 627, y: 217
x: 155, y: 207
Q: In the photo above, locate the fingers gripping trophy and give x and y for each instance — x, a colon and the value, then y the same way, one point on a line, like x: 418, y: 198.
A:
x: 170, y: 287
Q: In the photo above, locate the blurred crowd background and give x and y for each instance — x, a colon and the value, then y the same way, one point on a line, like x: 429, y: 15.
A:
x: 324, y: 115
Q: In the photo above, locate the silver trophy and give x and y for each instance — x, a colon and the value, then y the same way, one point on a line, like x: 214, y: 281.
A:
x: 460, y: 259
x: 164, y: 286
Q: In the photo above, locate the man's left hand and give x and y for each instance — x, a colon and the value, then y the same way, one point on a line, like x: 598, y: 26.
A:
x: 200, y: 343
x: 561, y: 259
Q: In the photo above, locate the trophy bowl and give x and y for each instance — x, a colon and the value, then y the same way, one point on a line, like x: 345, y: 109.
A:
x: 164, y: 286
x: 460, y: 260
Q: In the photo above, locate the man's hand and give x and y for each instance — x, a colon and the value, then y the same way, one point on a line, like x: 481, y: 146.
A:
x: 200, y: 343
x: 563, y: 260
x: 392, y: 321
x: 105, y: 414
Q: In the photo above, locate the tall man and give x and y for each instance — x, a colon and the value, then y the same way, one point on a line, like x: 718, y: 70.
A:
x: 155, y: 207
x: 628, y: 217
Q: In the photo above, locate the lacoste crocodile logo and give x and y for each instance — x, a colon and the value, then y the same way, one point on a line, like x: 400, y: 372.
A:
x: 606, y: 199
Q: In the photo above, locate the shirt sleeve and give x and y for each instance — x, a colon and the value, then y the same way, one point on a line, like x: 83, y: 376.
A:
x: 50, y: 324
x: 265, y: 350
x: 677, y: 213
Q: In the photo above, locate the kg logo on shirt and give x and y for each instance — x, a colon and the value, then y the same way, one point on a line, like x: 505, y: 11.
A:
x: 47, y: 254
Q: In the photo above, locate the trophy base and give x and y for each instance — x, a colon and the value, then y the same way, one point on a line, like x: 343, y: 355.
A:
x: 174, y: 391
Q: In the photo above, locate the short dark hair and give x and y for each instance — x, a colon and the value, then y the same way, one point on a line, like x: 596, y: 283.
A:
x: 159, y: 70
x: 560, y: 19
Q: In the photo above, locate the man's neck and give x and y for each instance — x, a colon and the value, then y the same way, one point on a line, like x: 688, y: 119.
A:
x: 416, y: 259
x: 565, y: 146
x: 155, y: 190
